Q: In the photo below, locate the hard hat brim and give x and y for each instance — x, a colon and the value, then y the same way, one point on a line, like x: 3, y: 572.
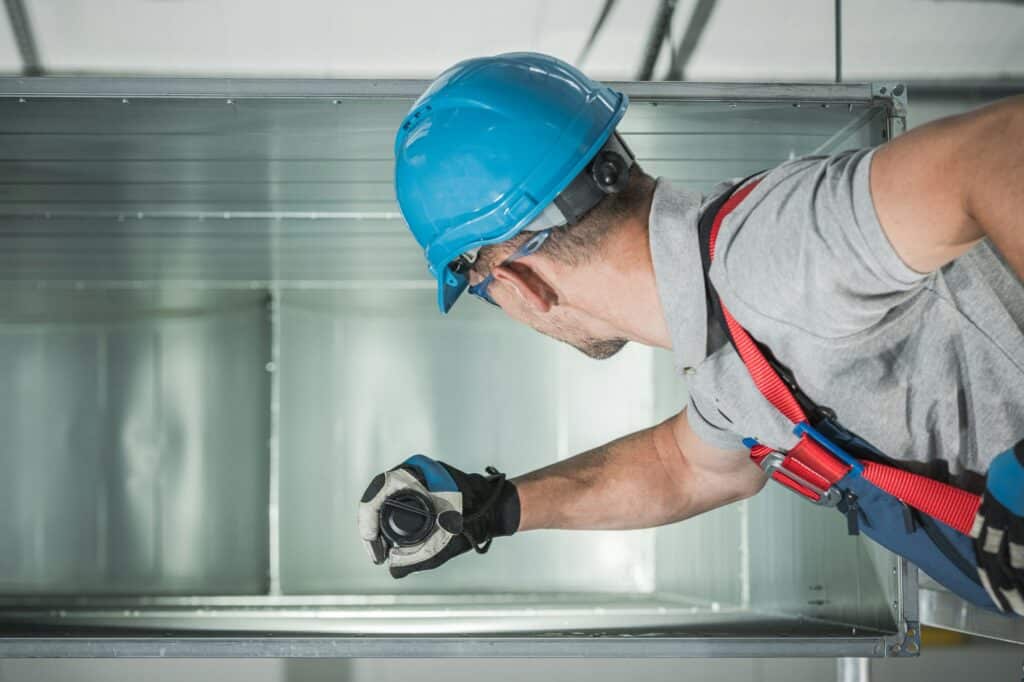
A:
x: 450, y: 286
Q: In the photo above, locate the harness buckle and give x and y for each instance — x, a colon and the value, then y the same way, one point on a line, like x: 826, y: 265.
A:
x: 772, y: 464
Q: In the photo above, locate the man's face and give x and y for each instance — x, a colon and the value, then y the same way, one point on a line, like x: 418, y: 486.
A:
x: 587, y: 334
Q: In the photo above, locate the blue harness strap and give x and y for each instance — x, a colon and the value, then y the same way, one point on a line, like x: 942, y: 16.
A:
x: 945, y: 554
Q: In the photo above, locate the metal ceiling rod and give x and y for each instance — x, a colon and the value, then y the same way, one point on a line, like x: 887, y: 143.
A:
x: 691, y: 38
x: 839, y: 40
x: 659, y: 31
x: 598, y: 25
x: 853, y: 670
x: 22, y: 29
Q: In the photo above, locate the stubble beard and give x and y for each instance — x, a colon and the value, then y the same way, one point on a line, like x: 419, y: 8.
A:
x: 593, y: 347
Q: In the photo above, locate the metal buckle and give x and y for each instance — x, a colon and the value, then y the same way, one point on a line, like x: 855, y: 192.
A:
x: 772, y: 463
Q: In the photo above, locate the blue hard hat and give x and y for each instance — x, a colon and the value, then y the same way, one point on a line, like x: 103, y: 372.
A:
x: 488, y: 146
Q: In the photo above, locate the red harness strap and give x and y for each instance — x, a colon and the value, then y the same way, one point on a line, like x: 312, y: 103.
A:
x: 809, y: 460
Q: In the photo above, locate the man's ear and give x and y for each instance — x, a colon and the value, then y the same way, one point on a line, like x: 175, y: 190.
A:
x: 528, y: 283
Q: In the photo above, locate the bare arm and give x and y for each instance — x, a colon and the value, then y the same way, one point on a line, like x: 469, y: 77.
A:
x: 942, y: 187
x: 653, y: 477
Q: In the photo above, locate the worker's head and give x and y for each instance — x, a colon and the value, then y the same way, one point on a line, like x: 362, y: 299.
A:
x: 552, y: 280
x: 512, y: 178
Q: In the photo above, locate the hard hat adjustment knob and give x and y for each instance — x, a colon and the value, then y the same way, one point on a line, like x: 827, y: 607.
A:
x: 610, y: 172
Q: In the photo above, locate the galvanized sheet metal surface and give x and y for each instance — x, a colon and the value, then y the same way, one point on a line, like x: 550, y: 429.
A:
x: 369, y: 379
x: 164, y: 408
x: 134, y: 449
x: 162, y: 189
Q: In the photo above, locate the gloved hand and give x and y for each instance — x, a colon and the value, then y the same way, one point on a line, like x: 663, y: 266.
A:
x: 999, y: 531
x: 424, y: 512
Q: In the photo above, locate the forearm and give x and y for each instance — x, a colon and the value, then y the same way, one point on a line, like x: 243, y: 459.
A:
x: 623, y: 484
x: 650, y: 478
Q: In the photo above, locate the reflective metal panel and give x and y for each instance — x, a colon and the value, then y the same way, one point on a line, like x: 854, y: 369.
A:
x: 452, y: 615
x: 134, y: 451
x: 168, y: 434
x: 235, y: 191
x: 369, y: 378
x: 943, y: 609
x: 834, y: 577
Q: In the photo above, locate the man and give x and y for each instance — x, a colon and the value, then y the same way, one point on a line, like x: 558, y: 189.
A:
x: 886, y: 282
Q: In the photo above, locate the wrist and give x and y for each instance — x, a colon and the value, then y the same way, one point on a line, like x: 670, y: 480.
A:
x: 507, y: 510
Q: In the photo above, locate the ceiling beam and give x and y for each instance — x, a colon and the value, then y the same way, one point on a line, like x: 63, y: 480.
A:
x: 656, y: 38
x: 691, y: 38
x: 22, y: 29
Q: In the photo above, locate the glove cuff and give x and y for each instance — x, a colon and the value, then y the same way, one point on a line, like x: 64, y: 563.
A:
x: 1006, y: 479
x: 506, y: 510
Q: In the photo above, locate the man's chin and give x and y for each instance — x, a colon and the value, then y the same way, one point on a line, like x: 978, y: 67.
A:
x: 599, y: 349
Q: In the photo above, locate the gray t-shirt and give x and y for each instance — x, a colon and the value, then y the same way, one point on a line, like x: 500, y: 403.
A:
x: 927, y: 367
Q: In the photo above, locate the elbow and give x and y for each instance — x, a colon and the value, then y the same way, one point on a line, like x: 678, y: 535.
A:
x: 750, y: 482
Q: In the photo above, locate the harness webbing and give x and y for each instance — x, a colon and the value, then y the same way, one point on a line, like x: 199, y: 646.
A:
x: 808, y: 459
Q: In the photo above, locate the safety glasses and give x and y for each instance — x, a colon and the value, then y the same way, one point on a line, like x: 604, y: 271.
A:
x: 528, y: 248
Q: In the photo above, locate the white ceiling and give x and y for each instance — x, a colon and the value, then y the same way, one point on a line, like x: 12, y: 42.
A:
x: 744, y: 40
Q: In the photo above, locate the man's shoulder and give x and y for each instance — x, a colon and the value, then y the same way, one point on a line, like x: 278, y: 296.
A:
x: 805, y: 250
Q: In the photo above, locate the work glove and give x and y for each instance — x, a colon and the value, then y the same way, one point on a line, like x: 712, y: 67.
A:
x: 422, y: 513
x: 998, y: 531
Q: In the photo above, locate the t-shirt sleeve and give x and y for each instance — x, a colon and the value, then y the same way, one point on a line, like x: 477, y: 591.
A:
x: 806, y: 249
x: 715, y: 432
